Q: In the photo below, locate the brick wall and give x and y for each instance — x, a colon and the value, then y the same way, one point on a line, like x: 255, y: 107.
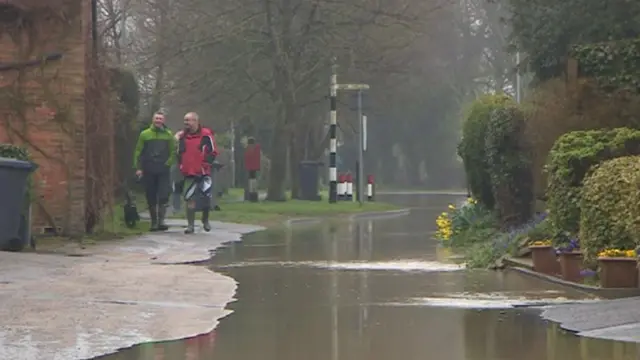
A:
x: 57, y: 144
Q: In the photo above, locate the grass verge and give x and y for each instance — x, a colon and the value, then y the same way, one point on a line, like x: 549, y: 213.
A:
x: 268, y: 213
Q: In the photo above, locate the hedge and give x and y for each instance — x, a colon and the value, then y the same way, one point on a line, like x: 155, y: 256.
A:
x: 614, y: 64
x: 472, y: 146
x: 571, y: 158
x: 509, y: 165
x: 609, y: 207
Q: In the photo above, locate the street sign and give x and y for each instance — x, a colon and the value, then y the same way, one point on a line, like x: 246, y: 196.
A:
x: 364, y: 132
x: 353, y: 87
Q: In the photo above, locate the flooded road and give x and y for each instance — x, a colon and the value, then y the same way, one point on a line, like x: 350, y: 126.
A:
x: 380, y: 289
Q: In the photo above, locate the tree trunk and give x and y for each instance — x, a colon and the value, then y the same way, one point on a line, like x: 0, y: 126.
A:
x: 296, y: 155
x: 278, y: 166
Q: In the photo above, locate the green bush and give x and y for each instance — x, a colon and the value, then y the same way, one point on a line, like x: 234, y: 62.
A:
x: 609, y: 207
x: 508, y: 161
x: 472, y: 146
x: 470, y: 223
x: 19, y: 153
x: 571, y: 158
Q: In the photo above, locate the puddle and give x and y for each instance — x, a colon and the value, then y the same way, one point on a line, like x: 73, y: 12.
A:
x: 409, y: 266
x: 368, y: 292
x: 489, y: 301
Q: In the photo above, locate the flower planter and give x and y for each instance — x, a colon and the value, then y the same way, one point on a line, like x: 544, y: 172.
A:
x: 544, y: 260
x: 618, y: 272
x: 571, y: 265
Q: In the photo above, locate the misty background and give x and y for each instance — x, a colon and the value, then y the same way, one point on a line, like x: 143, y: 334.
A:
x: 262, y: 67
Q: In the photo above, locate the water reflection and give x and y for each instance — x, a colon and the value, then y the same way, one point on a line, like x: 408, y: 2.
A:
x: 345, y: 292
x: 195, y: 348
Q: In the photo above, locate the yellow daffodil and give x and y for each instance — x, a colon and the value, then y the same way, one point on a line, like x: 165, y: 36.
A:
x: 542, y: 243
x: 617, y: 253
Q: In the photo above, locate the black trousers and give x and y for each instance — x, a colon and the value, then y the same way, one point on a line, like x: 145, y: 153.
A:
x: 157, y: 188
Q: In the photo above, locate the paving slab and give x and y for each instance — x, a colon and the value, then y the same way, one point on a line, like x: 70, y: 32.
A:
x: 609, y: 319
x: 113, y: 295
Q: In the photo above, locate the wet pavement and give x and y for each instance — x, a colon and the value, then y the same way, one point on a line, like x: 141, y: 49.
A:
x: 612, y: 319
x: 378, y: 289
x: 111, y: 295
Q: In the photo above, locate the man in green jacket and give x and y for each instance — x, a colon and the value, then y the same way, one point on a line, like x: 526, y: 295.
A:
x: 154, y: 155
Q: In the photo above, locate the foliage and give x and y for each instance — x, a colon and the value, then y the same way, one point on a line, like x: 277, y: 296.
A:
x: 483, y: 243
x: 609, y: 253
x: 14, y: 152
x: 540, y: 229
x: 509, y: 165
x: 19, y: 153
x: 458, y: 220
x: 614, y: 64
x: 464, y: 225
x: 481, y: 255
x: 125, y: 87
x: 472, y: 146
x: 571, y: 158
x: 609, y: 207
x: 566, y: 244
x: 542, y: 243
x: 444, y: 231
x: 554, y: 108
x: 546, y: 29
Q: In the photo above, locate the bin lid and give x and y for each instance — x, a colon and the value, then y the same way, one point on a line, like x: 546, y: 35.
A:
x: 16, y: 164
x: 311, y: 163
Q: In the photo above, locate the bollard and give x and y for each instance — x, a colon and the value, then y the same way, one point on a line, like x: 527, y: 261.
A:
x: 349, y: 179
x: 341, y: 187
x: 370, y: 188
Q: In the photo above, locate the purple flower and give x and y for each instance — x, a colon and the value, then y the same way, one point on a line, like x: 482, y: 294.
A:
x: 587, y: 273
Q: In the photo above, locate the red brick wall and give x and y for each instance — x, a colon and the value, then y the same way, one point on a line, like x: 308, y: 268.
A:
x: 57, y: 145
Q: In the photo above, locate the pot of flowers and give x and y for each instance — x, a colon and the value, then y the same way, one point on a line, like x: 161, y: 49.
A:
x: 570, y: 261
x: 544, y: 257
x: 618, y: 268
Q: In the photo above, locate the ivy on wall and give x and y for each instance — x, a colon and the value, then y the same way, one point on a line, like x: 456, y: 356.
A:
x: 615, y: 65
x: 28, y: 25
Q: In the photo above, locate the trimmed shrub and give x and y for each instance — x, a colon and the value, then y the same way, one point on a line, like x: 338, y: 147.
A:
x: 571, y: 158
x: 472, y: 146
x: 509, y: 166
x: 609, y: 207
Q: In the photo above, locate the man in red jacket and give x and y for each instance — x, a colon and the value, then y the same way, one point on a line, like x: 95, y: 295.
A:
x: 196, y: 153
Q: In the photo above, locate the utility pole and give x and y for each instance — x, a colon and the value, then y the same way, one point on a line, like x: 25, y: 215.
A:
x: 360, y: 149
x: 518, y: 79
x: 233, y: 154
x: 333, y: 130
x: 359, y: 88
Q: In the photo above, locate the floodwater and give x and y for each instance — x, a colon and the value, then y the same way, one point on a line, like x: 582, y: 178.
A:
x: 378, y: 290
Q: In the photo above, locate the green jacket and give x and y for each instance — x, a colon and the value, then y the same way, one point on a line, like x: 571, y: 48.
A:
x: 155, y: 150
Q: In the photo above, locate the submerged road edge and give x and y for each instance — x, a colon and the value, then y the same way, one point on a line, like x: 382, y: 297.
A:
x: 112, y: 296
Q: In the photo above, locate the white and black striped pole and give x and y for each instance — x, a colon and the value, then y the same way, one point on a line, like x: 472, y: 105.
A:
x: 333, y: 142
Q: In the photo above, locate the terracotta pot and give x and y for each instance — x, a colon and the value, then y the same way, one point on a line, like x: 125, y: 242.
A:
x: 544, y: 260
x: 571, y: 265
x: 618, y: 272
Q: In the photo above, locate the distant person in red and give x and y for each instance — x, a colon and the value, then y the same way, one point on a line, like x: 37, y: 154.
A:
x: 252, y: 157
x: 197, y: 152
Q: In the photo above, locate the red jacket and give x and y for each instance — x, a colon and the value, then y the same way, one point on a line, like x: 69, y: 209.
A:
x: 197, y: 151
x: 252, y: 157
